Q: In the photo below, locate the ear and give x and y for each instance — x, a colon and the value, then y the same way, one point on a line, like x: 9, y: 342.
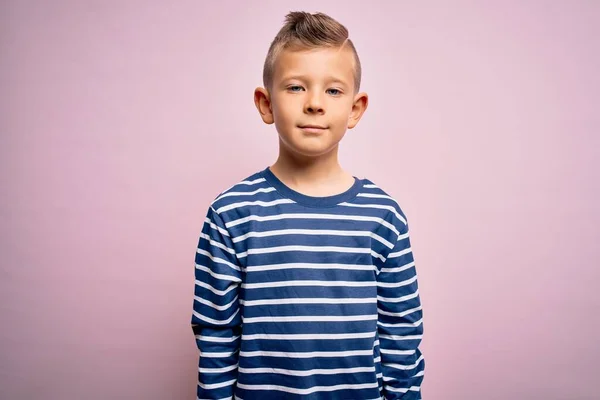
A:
x: 262, y: 100
x: 361, y: 102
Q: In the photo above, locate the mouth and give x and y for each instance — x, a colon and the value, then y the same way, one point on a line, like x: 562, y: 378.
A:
x: 313, y: 128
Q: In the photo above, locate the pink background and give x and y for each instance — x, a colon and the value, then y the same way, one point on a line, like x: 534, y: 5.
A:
x: 121, y: 121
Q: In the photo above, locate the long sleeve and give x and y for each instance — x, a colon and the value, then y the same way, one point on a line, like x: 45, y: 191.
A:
x: 216, y: 319
x: 400, y: 322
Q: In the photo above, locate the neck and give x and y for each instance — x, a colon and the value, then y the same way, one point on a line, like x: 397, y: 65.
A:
x: 320, y: 174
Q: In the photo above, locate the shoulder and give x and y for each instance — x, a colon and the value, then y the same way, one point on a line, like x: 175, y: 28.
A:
x: 374, y: 194
x: 252, y: 188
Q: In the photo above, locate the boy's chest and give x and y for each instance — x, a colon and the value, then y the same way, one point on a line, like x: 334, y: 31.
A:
x: 306, y: 259
x: 304, y: 242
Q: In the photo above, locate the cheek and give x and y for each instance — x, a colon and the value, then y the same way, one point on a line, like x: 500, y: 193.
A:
x: 286, y: 113
x: 341, y: 113
x: 281, y: 115
x: 280, y: 106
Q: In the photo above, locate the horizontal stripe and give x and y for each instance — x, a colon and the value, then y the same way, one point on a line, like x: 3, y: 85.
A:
x: 216, y: 385
x: 219, y: 354
x: 215, y: 290
x: 398, y: 269
x: 397, y: 284
x: 217, y: 339
x: 398, y: 352
x: 313, y: 389
x: 310, y: 354
x: 379, y: 206
x: 222, y: 277
x: 310, y: 372
x: 217, y: 370
x: 264, y: 285
x: 398, y: 299
x: 374, y: 254
x: 216, y: 321
x: 403, y: 236
x: 403, y: 390
x: 253, y: 203
x: 418, y: 374
x: 398, y: 337
x: 215, y: 227
x: 375, y: 196
x: 254, y: 182
x: 251, y: 182
x: 215, y: 306
x: 311, y: 318
x: 216, y: 244
x: 250, y: 303
x: 314, y: 232
x: 218, y: 259
x: 305, y: 216
x: 399, y: 314
x: 401, y: 324
x: 322, y: 266
x: 230, y: 194
x: 280, y: 249
x: 400, y: 253
x: 406, y: 367
x: 310, y: 336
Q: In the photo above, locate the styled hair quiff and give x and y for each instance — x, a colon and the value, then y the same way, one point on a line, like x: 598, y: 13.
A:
x: 303, y: 30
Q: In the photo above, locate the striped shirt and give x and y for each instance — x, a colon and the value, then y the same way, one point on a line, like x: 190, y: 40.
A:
x: 300, y: 297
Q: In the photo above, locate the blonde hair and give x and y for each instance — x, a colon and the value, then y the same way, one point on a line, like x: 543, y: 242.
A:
x: 303, y: 30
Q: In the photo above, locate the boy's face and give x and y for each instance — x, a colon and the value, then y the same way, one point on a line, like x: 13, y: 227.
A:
x: 312, y: 100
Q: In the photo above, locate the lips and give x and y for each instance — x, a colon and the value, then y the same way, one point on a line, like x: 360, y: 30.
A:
x: 312, y: 127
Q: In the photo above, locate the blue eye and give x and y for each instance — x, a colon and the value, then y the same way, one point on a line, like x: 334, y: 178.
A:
x: 294, y: 88
x: 333, y: 92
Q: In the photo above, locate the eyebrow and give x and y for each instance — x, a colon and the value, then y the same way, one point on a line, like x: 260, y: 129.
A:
x: 331, y: 79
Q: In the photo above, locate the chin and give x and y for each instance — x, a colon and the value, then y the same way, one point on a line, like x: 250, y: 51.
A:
x: 312, y: 151
x: 308, y: 146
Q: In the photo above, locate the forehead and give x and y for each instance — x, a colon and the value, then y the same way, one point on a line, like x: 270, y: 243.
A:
x: 319, y: 63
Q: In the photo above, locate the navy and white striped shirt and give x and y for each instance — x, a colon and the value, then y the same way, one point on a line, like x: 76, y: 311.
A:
x: 301, y: 297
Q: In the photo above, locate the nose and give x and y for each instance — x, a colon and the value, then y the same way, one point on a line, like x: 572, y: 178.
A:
x: 314, y: 104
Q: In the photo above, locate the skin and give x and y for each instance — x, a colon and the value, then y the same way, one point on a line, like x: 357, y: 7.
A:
x: 312, y: 87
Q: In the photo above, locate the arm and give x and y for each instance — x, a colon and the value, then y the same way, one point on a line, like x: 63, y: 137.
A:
x: 216, y: 319
x: 400, y: 322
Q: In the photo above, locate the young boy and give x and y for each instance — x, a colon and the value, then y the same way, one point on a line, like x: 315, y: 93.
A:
x: 305, y: 281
